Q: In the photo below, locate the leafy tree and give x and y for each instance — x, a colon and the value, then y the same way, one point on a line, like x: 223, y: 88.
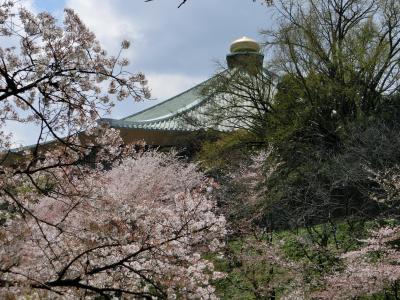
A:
x: 350, y: 47
x: 339, y: 62
x: 227, y: 151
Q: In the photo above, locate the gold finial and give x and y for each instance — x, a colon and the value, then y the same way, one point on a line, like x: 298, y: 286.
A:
x: 245, y: 44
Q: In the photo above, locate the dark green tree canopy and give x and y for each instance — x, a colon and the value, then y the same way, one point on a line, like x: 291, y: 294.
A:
x: 344, y: 50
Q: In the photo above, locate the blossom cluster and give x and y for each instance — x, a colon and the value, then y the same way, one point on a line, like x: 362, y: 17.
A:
x: 368, y: 270
x: 140, y: 230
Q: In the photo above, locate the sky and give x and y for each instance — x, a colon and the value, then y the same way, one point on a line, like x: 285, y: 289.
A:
x: 174, y: 48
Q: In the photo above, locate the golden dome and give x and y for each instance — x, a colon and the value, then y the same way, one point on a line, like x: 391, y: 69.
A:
x: 245, y: 44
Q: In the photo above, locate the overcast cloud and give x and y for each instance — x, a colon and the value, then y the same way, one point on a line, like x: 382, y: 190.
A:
x: 175, y: 48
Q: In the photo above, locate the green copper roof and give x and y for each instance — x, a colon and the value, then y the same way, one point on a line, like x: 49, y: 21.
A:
x: 166, y: 115
x: 171, y: 107
x: 188, y: 111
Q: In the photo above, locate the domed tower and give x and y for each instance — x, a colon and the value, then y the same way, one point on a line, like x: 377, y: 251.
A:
x: 246, y: 54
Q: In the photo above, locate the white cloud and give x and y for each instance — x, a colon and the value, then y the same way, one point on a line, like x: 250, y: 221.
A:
x: 112, y: 21
x: 164, y: 86
x: 169, y: 40
x: 106, y: 21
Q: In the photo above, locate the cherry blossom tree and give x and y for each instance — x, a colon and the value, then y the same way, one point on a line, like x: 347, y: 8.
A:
x: 56, y: 77
x: 126, y: 225
x: 369, y: 270
x: 374, y: 267
x: 139, y: 232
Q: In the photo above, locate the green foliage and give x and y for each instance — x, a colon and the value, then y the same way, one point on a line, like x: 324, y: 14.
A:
x: 318, y: 247
x: 392, y: 292
x: 228, y: 150
x: 316, y: 184
x: 333, y: 116
x: 252, y: 273
x: 268, y: 266
x: 301, y: 125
